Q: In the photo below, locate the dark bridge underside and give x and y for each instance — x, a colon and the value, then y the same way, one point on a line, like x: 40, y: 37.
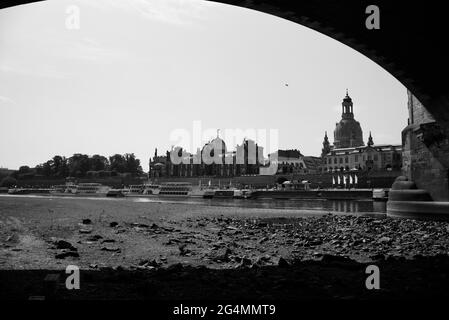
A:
x: 411, y: 43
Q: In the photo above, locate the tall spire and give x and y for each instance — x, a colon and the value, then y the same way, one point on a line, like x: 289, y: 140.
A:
x: 370, y: 140
x: 326, y: 145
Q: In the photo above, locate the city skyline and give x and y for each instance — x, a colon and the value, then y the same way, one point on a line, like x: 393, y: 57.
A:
x: 83, y: 91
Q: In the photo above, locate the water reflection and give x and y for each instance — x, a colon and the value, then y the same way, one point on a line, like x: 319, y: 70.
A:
x: 342, y: 206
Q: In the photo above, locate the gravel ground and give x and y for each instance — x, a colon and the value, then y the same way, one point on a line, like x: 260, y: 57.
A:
x: 157, y: 239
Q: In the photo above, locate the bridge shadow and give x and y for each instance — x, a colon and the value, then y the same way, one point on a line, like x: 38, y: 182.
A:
x: 330, y: 278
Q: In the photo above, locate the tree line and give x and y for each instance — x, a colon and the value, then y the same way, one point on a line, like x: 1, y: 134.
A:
x: 82, y: 165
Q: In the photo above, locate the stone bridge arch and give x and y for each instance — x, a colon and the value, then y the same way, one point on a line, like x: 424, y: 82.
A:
x: 409, y: 44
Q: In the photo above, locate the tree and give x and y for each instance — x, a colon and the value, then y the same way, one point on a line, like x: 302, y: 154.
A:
x: 132, y: 164
x: 59, y: 166
x: 8, y: 182
x: 118, y: 163
x: 98, y: 163
x: 47, y: 168
x: 24, y: 169
x: 78, y: 165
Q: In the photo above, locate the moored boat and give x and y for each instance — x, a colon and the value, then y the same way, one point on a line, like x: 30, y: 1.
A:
x: 242, y: 193
x: 92, y: 189
x: 224, y: 193
x: 180, y: 189
x: 66, y: 189
x: 142, y: 190
x: 115, y: 193
x: 16, y: 191
x: 380, y: 194
x: 208, y: 193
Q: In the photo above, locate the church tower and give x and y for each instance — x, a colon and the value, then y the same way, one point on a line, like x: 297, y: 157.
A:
x: 326, y: 146
x: 370, y: 140
x: 348, y: 132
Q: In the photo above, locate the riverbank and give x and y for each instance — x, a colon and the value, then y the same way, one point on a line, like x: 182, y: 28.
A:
x: 129, y: 238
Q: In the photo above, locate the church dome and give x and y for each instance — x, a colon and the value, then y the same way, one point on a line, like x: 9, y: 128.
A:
x: 348, y: 132
x: 217, y: 144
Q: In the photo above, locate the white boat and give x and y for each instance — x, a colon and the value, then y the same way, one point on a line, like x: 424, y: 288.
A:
x: 65, y: 189
x: 180, y: 189
x: 242, y: 193
x: 151, y: 189
x: 142, y: 190
x: 92, y: 189
x: 380, y: 194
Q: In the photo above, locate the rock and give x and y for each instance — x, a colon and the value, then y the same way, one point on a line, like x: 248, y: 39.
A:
x: 261, y: 261
x: 244, y: 263
x: 118, y: 268
x: 62, y: 244
x: 183, y: 250
x: 149, y: 263
x: 87, y: 221
x: 140, y: 225
x: 66, y: 254
x: 263, y: 240
x: 113, y: 224
x: 108, y: 241
x: 222, y: 255
x: 85, y: 231
x: 94, y: 238
x: 384, y: 240
x: 177, y: 267
x: 377, y: 257
x: 171, y: 241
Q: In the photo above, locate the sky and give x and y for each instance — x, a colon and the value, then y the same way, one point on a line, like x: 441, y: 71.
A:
x: 135, y: 73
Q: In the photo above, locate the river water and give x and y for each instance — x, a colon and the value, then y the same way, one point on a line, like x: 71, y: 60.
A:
x: 341, y: 206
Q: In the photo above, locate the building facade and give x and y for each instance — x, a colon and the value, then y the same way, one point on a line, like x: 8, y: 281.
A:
x: 349, y: 152
x: 292, y: 161
x: 213, y: 160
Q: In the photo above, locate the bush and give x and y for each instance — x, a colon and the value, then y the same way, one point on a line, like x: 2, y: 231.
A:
x: 8, y: 182
x: 92, y: 174
x: 104, y: 174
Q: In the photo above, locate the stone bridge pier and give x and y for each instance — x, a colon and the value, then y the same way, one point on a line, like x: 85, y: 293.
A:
x: 423, y: 191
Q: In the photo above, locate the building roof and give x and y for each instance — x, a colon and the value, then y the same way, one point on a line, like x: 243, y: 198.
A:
x: 312, y: 162
x: 378, y: 147
x: 291, y: 153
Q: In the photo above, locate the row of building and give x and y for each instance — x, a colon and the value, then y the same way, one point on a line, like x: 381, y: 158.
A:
x: 348, y: 153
